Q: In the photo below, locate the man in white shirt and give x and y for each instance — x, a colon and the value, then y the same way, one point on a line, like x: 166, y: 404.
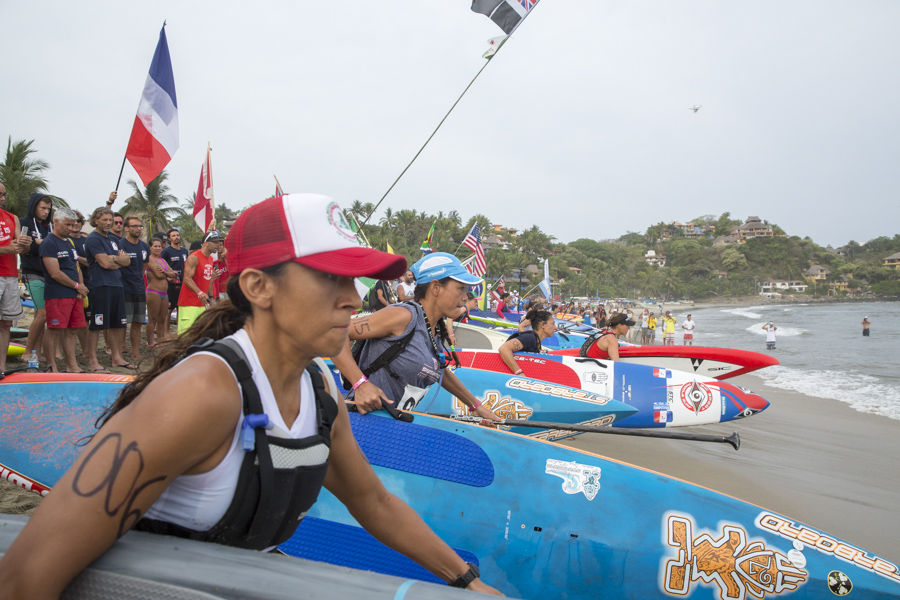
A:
x: 688, y: 327
x: 406, y: 287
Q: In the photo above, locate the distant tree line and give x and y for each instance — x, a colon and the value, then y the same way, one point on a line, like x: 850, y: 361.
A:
x: 694, y: 268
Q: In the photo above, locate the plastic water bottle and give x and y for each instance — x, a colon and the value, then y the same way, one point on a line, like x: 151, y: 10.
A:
x: 33, y: 360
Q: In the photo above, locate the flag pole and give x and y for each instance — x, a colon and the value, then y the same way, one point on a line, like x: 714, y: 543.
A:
x: 483, y: 67
x: 121, y: 169
x: 278, y: 183
x: 212, y: 203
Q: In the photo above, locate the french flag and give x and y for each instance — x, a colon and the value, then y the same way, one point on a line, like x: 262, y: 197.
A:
x: 154, y: 136
x: 662, y: 416
x: 662, y: 373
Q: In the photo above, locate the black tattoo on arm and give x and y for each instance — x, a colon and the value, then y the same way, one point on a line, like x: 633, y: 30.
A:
x: 517, y: 345
x: 361, y: 326
x: 131, y: 452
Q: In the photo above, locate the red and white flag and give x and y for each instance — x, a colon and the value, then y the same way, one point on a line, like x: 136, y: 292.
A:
x: 204, y: 210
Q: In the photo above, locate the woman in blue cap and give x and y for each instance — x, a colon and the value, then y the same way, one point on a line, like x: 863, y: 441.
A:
x: 404, y: 352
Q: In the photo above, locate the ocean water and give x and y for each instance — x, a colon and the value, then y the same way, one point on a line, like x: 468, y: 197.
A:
x: 820, y: 346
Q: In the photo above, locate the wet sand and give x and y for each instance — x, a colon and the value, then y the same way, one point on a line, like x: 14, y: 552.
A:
x: 813, y: 460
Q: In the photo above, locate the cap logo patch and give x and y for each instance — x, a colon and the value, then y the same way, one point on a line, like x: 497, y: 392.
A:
x: 339, y: 221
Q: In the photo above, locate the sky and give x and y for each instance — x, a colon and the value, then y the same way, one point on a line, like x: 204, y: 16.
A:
x: 580, y: 124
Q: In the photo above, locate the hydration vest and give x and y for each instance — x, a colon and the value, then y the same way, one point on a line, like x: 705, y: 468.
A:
x: 280, y: 478
x: 593, y: 339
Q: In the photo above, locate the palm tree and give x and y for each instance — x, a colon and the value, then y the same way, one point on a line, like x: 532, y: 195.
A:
x: 23, y: 176
x: 389, y: 219
x: 152, y: 204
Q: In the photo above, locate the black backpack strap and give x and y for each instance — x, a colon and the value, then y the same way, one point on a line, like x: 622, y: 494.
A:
x: 234, y: 355
x: 388, y: 356
x: 326, y: 406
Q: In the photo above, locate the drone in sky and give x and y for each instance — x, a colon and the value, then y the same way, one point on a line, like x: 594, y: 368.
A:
x: 695, y: 107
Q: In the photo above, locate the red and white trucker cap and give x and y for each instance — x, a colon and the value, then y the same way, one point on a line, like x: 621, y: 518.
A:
x: 309, y: 229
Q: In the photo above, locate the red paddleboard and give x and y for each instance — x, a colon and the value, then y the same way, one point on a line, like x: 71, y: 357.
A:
x: 719, y: 363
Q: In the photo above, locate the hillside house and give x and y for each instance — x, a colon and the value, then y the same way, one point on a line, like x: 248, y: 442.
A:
x: 817, y: 273
x: 653, y: 259
x: 892, y: 261
x: 774, y: 285
x: 753, y: 227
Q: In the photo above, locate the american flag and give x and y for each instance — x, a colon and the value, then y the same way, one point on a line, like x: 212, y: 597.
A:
x: 495, y: 293
x: 473, y: 242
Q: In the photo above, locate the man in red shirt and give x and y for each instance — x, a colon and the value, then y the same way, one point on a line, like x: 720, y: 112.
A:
x: 199, y: 273
x: 11, y: 243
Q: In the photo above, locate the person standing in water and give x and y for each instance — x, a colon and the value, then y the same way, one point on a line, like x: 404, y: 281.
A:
x: 770, y: 328
x: 865, y: 323
x: 688, y: 326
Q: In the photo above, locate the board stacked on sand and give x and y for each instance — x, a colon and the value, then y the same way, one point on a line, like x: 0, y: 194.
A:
x: 546, y: 521
x: 662, y: 397
x: 144, y: 565
x: 541, y: 520
x: 513, y: 398
x: 719, y: 363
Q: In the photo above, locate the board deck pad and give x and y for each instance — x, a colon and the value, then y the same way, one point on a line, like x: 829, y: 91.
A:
x: 352, y: 546
x: 424, y: 452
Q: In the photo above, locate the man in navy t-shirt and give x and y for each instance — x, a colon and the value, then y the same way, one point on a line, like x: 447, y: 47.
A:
x: 133, y: 281
x: 175, y: 255
x: 64, y: 290
x: 107, y: 297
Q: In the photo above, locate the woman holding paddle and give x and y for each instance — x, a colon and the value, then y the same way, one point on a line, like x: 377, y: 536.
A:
x: 543, y: 325
x: 405, y: 344
x: 184, y: 450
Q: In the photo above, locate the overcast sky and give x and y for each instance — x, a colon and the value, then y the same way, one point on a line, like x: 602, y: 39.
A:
x: 579, y: 125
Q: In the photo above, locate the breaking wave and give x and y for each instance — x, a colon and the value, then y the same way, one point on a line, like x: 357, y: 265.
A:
x: 862, y: 392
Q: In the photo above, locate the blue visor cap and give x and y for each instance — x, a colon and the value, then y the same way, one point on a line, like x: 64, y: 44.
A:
x: 439, y: 265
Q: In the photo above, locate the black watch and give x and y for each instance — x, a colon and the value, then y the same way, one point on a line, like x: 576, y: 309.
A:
x: 466, y: 578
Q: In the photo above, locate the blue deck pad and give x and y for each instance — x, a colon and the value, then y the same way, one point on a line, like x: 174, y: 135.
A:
x: 427, y: 452
x: 352, y: 546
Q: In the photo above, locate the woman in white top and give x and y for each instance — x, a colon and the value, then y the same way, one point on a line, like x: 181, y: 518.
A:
x: 172, y: 435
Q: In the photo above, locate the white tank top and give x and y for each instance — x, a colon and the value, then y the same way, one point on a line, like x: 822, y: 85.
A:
x: 199, y: 501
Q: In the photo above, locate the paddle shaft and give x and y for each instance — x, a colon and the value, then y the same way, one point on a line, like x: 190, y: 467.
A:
x: 734, y: 439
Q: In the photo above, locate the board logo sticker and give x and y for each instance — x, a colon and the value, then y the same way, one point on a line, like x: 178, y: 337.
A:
x: 595, y: 377
x: 839, y: 583
x: 696, y: 397
x: 738, y: 566
x: 827, y: 545
x: 549, y: 389
x: 576, y: 477
x: 502, y: 406
x: 552, y: 435
x: 696, y: 362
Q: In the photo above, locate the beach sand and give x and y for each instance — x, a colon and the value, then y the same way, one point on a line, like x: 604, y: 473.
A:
x: 814, y: 460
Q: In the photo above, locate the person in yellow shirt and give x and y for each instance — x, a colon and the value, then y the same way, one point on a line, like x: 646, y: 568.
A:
x: 651, y: 322
x: 669, y: 329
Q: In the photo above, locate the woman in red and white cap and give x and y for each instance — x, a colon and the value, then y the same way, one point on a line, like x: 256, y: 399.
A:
x: 184, y: 449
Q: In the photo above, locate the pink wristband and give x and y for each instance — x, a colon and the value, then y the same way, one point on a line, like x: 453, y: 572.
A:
x: 476, y: 405
x: 76, y: 286
x: 519, y: 372
x: 361, y: 381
